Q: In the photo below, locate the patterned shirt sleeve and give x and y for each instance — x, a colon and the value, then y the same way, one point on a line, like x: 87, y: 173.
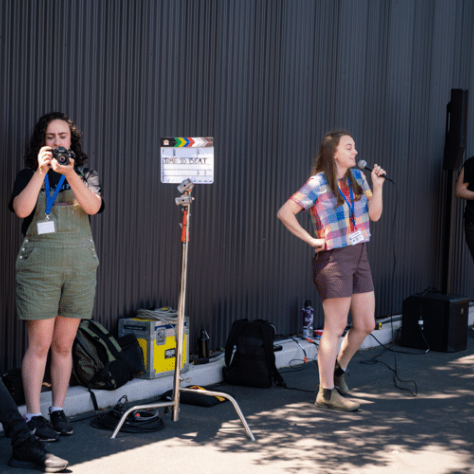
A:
x: 307, y: 196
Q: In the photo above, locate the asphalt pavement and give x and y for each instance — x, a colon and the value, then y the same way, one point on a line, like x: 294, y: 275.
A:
x: 417, y: 420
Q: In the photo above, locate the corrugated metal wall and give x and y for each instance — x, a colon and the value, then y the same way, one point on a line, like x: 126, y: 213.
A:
x: 266, y: 79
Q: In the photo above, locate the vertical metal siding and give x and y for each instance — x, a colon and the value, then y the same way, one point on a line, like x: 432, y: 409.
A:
x: 266, y: 79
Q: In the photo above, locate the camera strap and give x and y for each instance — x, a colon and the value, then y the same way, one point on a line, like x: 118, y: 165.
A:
x: 50, y: 199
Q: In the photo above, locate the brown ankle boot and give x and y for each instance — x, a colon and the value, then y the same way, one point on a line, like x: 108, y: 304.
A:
x: 331, y: 399
x: 340, y: 379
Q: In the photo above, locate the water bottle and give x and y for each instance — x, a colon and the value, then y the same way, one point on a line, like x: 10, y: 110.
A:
x: 308, y: 316
x: 204, y: 345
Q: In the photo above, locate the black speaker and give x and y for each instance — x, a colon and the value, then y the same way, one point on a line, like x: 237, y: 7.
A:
x: 444, y: 322
x: 456, y: 130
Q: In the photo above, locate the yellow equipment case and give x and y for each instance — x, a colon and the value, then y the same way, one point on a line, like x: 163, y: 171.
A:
x: 157, y: 338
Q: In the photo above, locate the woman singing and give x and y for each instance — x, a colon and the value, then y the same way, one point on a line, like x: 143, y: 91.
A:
x: 341, y: 205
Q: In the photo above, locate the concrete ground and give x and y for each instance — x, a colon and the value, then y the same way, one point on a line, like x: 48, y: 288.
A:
x: 394, y: 432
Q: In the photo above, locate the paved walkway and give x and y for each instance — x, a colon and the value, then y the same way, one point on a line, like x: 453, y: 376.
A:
x: 394, y: 432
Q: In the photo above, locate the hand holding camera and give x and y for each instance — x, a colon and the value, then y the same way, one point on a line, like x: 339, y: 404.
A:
x: 62, y: 155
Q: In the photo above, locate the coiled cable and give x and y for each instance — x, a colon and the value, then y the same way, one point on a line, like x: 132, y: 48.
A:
x: 139, y: 421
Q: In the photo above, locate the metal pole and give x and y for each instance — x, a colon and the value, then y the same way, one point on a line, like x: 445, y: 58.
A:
x: 139, y: 407
x: 174, y: 404
x: 181, y: 308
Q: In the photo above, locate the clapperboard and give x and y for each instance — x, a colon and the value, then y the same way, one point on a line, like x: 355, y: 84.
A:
x: 187, y: 158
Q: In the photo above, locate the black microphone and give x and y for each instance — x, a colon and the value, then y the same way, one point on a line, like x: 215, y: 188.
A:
x: 364, y: 166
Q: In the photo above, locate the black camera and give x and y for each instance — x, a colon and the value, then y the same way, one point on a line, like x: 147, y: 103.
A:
x: 62, y: 156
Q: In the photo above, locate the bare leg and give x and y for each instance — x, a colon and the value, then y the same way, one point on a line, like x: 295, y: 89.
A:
x: 336, y: 311
x: 40, y: 334
x: 363, y: 323
x: 61, y: 357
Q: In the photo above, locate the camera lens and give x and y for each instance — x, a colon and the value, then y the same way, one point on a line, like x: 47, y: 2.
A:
x: 63, y: 159
x: 60, y: 154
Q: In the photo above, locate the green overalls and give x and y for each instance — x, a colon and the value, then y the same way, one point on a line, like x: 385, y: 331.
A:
x: 56, y: 272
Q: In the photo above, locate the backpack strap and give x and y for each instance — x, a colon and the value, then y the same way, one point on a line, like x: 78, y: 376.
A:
x: 98, y: 332
x: 267, y: 338
x: 112, y: 345
x: 93, y: 398
x: 232, y: 339
x: 80, y: 340
x: 84, y: 345
x: 269, y: 354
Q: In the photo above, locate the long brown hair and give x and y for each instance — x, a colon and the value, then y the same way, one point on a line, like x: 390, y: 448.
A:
x: 324, y: 163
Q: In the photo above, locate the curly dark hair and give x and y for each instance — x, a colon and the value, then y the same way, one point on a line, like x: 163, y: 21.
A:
x: 325, y: 163
x: 38, y: 139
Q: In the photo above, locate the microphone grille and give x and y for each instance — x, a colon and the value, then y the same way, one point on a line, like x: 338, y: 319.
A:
x: 362, y: 164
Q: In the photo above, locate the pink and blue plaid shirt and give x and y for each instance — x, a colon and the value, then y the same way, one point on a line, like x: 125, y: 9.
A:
x: 331, y: 223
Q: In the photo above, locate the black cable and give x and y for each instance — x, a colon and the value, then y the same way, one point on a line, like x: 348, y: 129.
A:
x: 139, y: 421
x: 374, y: 360
x: 392, y: 279
x: 306, y: 359
x: 299, y: 366
x: 426, y: 342
x: 392, y: 349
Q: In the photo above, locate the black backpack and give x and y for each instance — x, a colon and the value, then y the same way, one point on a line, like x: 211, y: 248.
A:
x: 253, y: 364
x: 98, y: 359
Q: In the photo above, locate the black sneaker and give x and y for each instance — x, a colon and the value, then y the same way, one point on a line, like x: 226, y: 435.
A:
x: 60, y: 423
x: 31, y: 455
x: 39, y: 426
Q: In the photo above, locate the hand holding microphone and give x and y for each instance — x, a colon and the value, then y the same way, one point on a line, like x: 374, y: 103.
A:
x: 362, y: 164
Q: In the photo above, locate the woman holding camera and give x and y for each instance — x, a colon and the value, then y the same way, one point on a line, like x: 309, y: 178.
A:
x: 57, y: 263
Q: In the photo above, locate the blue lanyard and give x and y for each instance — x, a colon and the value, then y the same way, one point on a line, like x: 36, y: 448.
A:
x: 50, y: 199
x: 351, y: 205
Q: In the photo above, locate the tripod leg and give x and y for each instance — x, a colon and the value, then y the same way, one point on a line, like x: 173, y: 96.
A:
x: 228, y: 397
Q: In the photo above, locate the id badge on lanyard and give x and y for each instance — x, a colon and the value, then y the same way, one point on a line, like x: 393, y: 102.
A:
x: 48, y: 226
x: 355, y: 236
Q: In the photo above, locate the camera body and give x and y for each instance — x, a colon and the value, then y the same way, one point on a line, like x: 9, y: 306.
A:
x: 62, y: 156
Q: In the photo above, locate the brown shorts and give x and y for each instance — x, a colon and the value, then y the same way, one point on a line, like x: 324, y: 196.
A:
x: 342, y: 272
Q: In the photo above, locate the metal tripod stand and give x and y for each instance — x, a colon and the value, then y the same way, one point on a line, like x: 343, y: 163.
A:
x: 185, y: 200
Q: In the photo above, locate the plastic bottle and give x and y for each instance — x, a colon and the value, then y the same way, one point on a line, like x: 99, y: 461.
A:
x: 204, y: 345
x: 308, y: 316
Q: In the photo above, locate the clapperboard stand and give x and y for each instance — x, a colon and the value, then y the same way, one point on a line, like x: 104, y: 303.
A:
x: 185, y: 201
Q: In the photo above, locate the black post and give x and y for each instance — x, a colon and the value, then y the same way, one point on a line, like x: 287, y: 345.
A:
x: 455, y: 142
x: 448, y: 235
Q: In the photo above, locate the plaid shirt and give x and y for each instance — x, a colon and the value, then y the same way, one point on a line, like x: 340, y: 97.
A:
x: 334, y: 224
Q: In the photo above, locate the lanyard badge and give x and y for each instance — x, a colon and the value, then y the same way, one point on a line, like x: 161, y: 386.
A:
x: 356, y: 235
x: 48, y: 226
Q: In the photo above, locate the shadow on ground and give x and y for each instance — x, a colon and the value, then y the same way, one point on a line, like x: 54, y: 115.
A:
x: 393, y: 432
